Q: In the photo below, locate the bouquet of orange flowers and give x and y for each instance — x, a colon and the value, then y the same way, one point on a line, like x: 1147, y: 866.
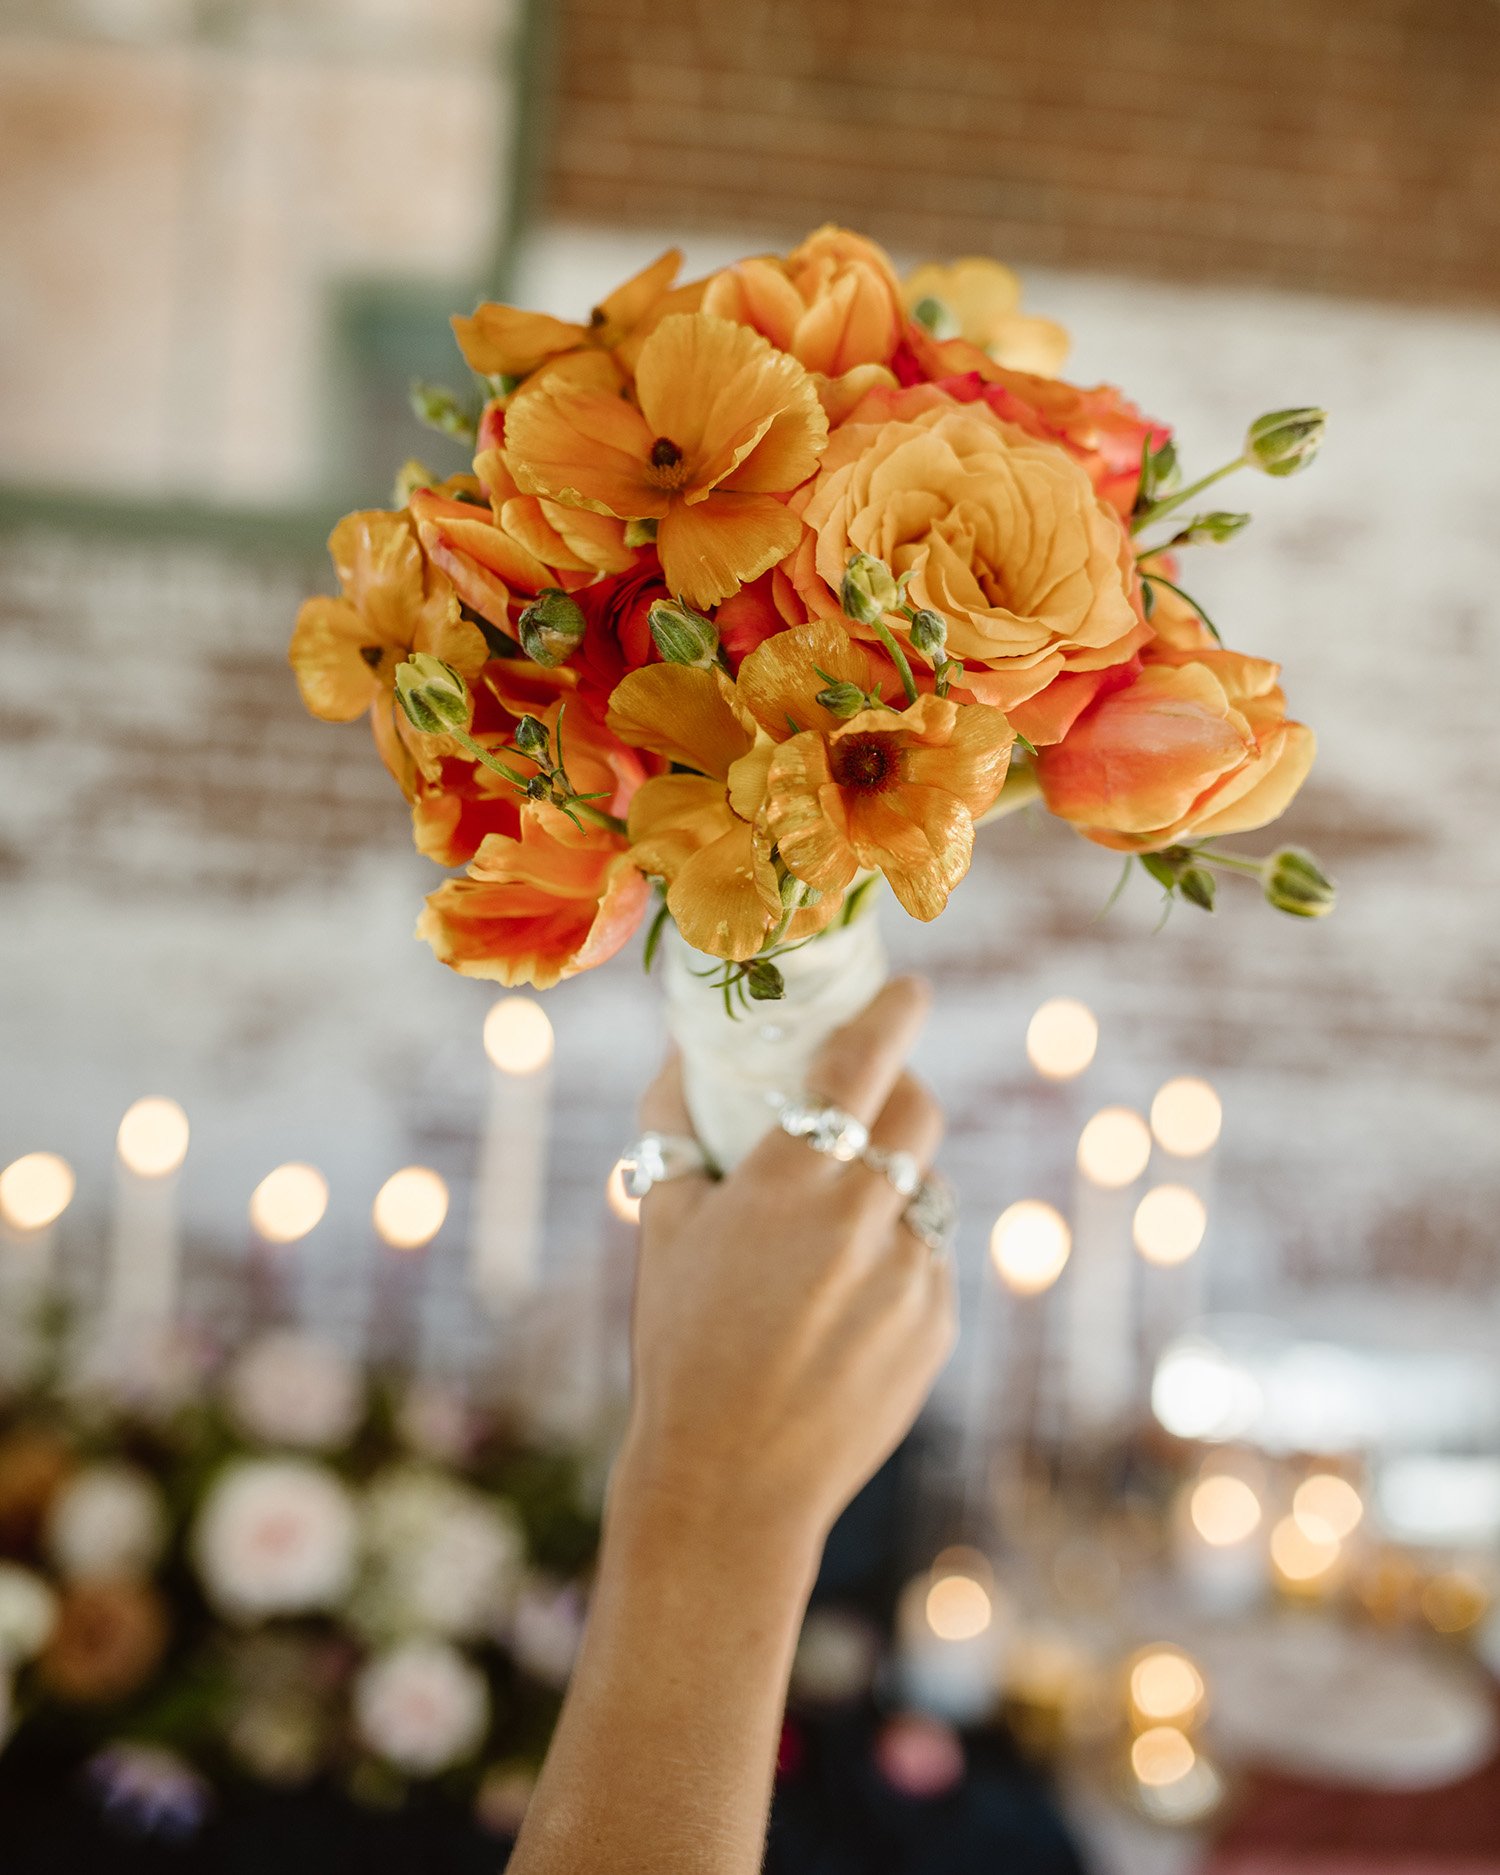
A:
x: 766, y: 586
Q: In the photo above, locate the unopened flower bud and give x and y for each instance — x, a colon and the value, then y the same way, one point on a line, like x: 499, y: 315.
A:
x: 1284, y: 441
x: 439, y: 409
x: 551, y: 627
x: 1196, y: 885
x: 1296, y: 884
x: 842, y: 699
x: 929, y: 634
x: 531, y: 736
x: 937, y: 317
x: 764, y: 981
x: 434, y: 696
x: 869, y: 589
x: 1214, y: 529
x: 410, y: 477
x: 682, y: 635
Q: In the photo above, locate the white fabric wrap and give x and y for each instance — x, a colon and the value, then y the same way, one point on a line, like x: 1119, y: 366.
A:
x: 735, y: 1067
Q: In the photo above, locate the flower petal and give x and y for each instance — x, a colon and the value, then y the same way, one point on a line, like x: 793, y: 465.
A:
x: 712, y: 548
x: 584, y: 448
x: 779, y: 681
x: 507, y: 341
x: 337, y: 680
x: 687, y: 715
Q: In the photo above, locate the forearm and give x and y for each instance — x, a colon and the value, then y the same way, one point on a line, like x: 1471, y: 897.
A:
x: 663, y: 1758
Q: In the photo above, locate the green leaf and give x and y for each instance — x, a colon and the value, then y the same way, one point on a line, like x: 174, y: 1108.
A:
x: 653, y: 937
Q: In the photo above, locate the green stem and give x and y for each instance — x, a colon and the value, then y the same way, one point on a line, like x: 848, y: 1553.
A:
x: 597, y: 814
x: 1160, y: 579
x: 574, y: 804
x: 898, y: 658
x: 466, y: 741
x: 787, y: 916
x: 1170, y: 502
x: 1232, y: 862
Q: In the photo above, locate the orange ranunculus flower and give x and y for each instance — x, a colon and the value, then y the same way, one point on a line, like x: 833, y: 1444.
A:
x: 514, y: 545
x: 897, y: 791
x: 982, y: 299
x: 705, y: 833
x: 539, y: 906
x: 345, y: 650
x: 1198, y: 745
x: 509, y: 342
x: 1001, y: 532
x: 458, y: 802
x: 725, y: 424
x: 834, y: 304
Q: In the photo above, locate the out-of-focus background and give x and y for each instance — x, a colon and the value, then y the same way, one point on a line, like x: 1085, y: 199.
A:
x: 233, y: 230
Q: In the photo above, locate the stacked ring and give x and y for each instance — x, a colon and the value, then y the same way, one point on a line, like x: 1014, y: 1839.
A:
x: 931, y: 1213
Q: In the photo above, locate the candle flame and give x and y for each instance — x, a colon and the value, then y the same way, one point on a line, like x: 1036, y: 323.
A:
x: 1186, y: 1116
x: 958, y: 1608
x: 153, y: 1138
x: 1114, y: 1148
x: 1061, y: 1038
x: 518, y: 1035
x: 1029, y: 1246
x: 35, y: 1190
x: 410, y: 1207
x: 1169, y: 1224
x: 288, y: 1202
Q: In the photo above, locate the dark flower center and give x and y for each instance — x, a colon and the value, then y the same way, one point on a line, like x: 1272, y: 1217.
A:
x: 867, y: 761
x: 665, y: 454
x: 372, y: 654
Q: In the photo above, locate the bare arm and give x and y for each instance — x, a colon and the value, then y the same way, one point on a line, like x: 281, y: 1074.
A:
x: 787, y: 1330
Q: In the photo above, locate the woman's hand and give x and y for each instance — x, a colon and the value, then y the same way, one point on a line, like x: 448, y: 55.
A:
x: 788, y: 1324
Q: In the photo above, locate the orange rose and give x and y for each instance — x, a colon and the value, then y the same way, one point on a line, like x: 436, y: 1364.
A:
x: 1198, y: 745
x: 834, y: 304
x: 546, y: 904
x: 345, y: 650
x: 1000, y: 532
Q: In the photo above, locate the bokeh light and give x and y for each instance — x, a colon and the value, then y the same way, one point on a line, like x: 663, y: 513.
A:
x: 288, y: 1203
x: 35, y: 1190
x: 1186, y: 1117
x: 1169, y: 1224
x: 518, y: 1035
x: 410, y: 1207
x: 1300, y: 1559
x: 1029, y: 1245
x: 1198, y: 1392
x: 958, y: 1608
x: 153, y: 1137
x: 1114, y: 1148
x: 1162, y: 1755
x: 1165, y: 1685
x: 1327, y: 1508
x: 1224, y: 1509
x: 623, y: 1203
x: 1061, y: 1038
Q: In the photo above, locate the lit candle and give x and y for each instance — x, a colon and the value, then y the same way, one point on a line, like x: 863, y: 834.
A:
x: 285, y: 1206
x: 1218, y: 1546
x: 1029, y: 1247
x: 408, y: 1213
x: 35, y: 1190
x: 1062, y: 1038
x: 510, y: 1184
x: 1101, y: 1369
x: 145, y: 1245
x: 1186, y: 1120
x: 949, y: 1642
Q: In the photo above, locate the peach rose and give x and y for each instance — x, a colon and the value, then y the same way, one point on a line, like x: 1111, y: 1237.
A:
x: 1000, y: 531
x: 1198, y: 745
x: 834, y: 303
x: 546, y: 904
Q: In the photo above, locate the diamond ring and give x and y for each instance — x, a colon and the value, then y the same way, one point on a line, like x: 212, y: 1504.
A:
x: 657, y: 1157
x: 931, y: 1213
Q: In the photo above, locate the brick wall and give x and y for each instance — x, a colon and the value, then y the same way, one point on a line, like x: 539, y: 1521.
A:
x: 1352, y: 145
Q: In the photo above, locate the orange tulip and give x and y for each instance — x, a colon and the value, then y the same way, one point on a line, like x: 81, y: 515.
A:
x: 540, y: 906
x: 724, y: 424
x: 895, y: 791
x: 509, y: 342
x: 1197, y: 745
x: 345, y: 650
x: 705, y: 834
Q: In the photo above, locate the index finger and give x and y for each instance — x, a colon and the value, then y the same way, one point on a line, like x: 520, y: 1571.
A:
x: 859, y: 1064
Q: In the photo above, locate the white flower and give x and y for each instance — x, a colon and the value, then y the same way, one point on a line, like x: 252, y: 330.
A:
x: 28, y: 1611
x: 108, y: 1520
x: 291, y: 1389
x: 441, y: 1557
x: 547, y: 1630
x: 275, y: 1536
x: 421, y: 1706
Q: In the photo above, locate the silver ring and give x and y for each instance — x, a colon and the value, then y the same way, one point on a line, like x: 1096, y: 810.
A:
x: 932, y: 1215
x: 657, y: 1157
x: 826, y: 1129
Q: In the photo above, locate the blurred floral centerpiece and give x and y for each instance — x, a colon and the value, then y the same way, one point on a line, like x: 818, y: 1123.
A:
x: 766, y: 587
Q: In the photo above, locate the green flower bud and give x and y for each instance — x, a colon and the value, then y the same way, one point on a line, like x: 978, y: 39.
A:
x: 843, y: 699
x: 869, y: 589
x: 1284, y: 441
x: 411, y: 476
x: 434, y: 696
x: 682, y: 635
x: 439, y: 409
x: 1197, y: 886
x: 936, y: 316
x: 551, y: 627
x: 929, y: 634
x: 764, y: 981
x: 1205, y: 530
x: 1295, y: 883
x: 531, y: 737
